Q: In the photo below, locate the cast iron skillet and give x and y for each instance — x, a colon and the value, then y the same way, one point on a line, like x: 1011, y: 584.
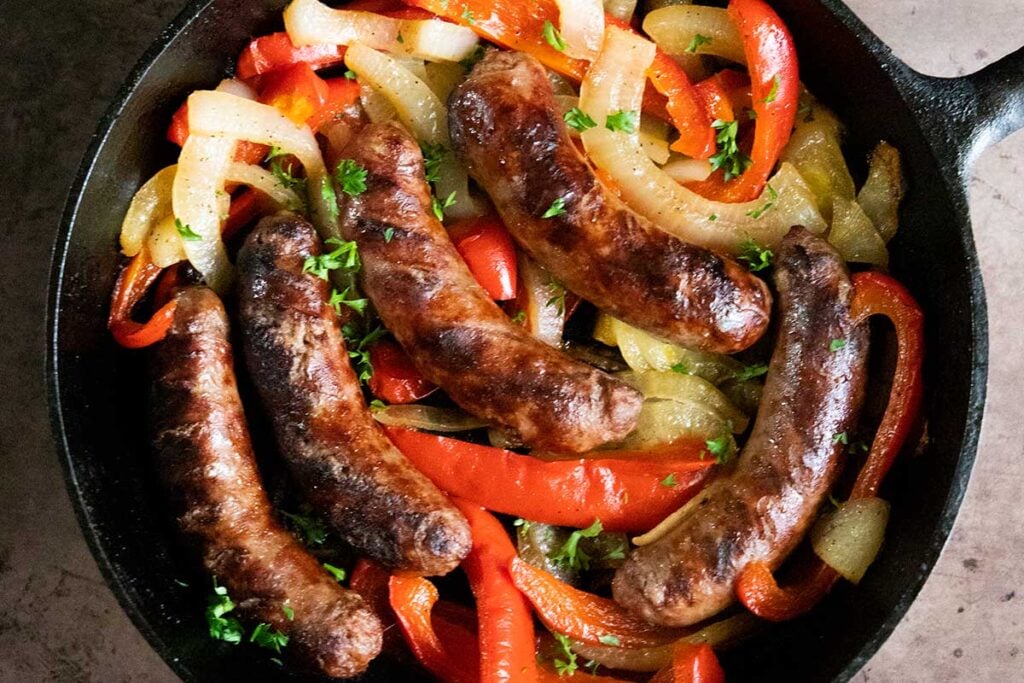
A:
x: 95, y: 389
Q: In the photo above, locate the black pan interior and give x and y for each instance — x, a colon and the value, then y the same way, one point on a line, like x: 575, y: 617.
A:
x: 96, y: 389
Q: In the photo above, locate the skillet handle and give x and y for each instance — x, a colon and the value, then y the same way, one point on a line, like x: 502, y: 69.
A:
x: 999, y: 89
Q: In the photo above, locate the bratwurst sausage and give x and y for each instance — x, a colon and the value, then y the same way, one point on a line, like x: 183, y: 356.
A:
x: 505, y: 127
x: 761, y: 510
x: 456, y: 336
x: 207, y: 464
x: 348, y: 469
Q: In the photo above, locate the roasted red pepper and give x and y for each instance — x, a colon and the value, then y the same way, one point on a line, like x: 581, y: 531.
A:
x: 625, y: 494
x: 276, y: 51
x: 505, y: 623
x: 246, y: 206
x: 301, y: 95
x: 132, y: 284
x: 692, y: 664
x: 487, y: 248
x: 395, y: 379
x: 775, y: 84
x: 874, y: 294
x: 584, y: 616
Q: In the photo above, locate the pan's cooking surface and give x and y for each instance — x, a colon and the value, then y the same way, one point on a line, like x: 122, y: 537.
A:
x: 153, y: 585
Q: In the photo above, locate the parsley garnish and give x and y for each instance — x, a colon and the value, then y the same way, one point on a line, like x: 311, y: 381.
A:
x: 567, y: 666
x: 760, y: 211
x: 274, y: 153
x: 622, y: 121
x: 670, y: 481
x: 749, y: 372
x: 837, y: 345
x: 342, y: 297
x: 377, y: 404
x: 519, y: 317
x: 557, y: 291
x: 289, y: 613
x: 713, y: 217
x: 284, y: 175
x: 266, y: 636
x: 696, y: 42
x: 223, y: 628
x: 351, y: 176
x: 557, y: 208
x: 350, y: 75
x: 338, y: 573
x: 389, y: 234
x: 400, y: 39
x: 439, y: 205
x: 523, y: 524
x: 359, y: 348
x: 729, y: 157
x: 344, y: 258
x: 570, y: 554
x: 681, y: 368
x: 721, y: 448
x: 610, y: 640
x: 756, y: 258
x: 553, y: 37
x: 841, y: 438
x: 774, y: 92
x: 433, y: 157
x: 467, y: 14
x: 577, y: 119
x: 313, y: 531
x: 186, y: 232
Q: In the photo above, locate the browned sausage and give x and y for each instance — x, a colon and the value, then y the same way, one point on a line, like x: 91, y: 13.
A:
x: 206, y: 462
x: 505, y: 126
x: 342, y: 459
x: 454, y: 333
x: 761, y: 510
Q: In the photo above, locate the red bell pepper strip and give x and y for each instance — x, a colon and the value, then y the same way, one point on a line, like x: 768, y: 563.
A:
x: 342, y: 93
x: 245, y: 152
x: 296, y: 91
x: 487, y: 248
x: 395, y: 379
x: 133, y: 282
x: 584, y: 616
x: 874, y: 294
x: 692, y: 664
x: 246, y: 206
x: 505, y: 623
x: 276, y: 51
x: 412, y: 599
x: 775, y: 83
x: 626, y: 495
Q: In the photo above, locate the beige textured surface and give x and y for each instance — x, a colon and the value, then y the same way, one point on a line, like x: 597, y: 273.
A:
x: 60, y: 623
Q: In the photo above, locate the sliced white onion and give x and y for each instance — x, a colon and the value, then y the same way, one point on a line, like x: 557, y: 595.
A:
x: 453, y: 181
x: 663, y: 422
x: 675, y: 28
x: 150, y: 205
x: 675, y: 386
x: 620, y: 9
x: 883, y: 191
x: 582, y: 26
x: 233, y: 86
x: 854, y: 235
x: 309, y: 22
x: 164, y: 243
x: 849, y: 538
x: 815, y: 152
x: 544, y: 320
x: 615, y: 81
x: 376, y: 106
x: 266, y: 182
x: 201, y: 203
x: 430, y: 418
x: 684, y: 170
x: 418, y: 108
x: 654, y: 139
x: 442, y: 77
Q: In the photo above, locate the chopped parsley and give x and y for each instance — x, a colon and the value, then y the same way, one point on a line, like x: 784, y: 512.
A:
x: 749, y: 372
x: 577, y: 119
x: 359, y: 339
x: 769, y: 203
x: 567, y: 666
x: 186, y: 232
x: 351, y: 176
x: 284, y: 175
x: 837, y: 345
x: 523, y: 524
x: 557, y: 208
x: 557, y: 291
x: 729, y: 157
x: 570, y: 554
x: 433, y: 157
x: 553, y: 37
x: 467, y: 15
x: 622, y: 121
x: 439, y: 205
x: 841, y: 437
x: 289, y: 613
x: 400, y: 39
x: 223, y: 628
x: 266, y: 636
x: 610, y: 640
x: 519, y: 317
x: 713, y: 217
x: 350, y: 75
x: 696, y: 42
x: 774, y: 92
x: 389, y: 234
x: 338, y: 573
x: 681, y: 368
x: 756, y: 258
x: 670, y: 481
x: 313, y: 530
x: 721, y: 448
x: 344, y: 297
x: 345, y: 258
x: 377, y: 404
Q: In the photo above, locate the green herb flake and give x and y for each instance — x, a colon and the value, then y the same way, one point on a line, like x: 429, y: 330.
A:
x: 769, y: 203
x: 749, y: 372
x: 519, y: 318
x: 350, y: 75
x: 289, y: 613
x: 338, y: 573
x: 557, y: 291
x: 623, y: 121
x: 433, y: 157
x: 400, y: 39
x: 553, y: 38
x: 557, y: 208
x: 566, y: 666
x: 274, y: 153
x: 713, y: 217
x: 837, y: 345
x: 286, y: 177
x: 377, y: 404
x: 577, y: 119
x: 223, y: 628
x: 358, y: 339
x: 670, y: 481
x: 774, y: 92
x: 267, y: 637
x: 467, y: 15
x: 696, y: 42
x: 680, y: 368
x: 729, y: 157
x: 389, y: 234
x: 841, y: 437
x: 721, y: 448
x: 351, y: 176
x: 312, y: 529
x: 186, y: 232
x: 570, y: 554
x: 522, y: 524
x: 344, y: 257
x: 610, y: 640
x: 439, y: 205
x: 756, y: 258
x: 344, y: 297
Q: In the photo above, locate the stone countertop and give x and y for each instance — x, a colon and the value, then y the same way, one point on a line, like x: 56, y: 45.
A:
x: 61, y: 65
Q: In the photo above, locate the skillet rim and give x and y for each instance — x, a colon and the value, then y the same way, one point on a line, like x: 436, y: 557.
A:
x: 912, y: 88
